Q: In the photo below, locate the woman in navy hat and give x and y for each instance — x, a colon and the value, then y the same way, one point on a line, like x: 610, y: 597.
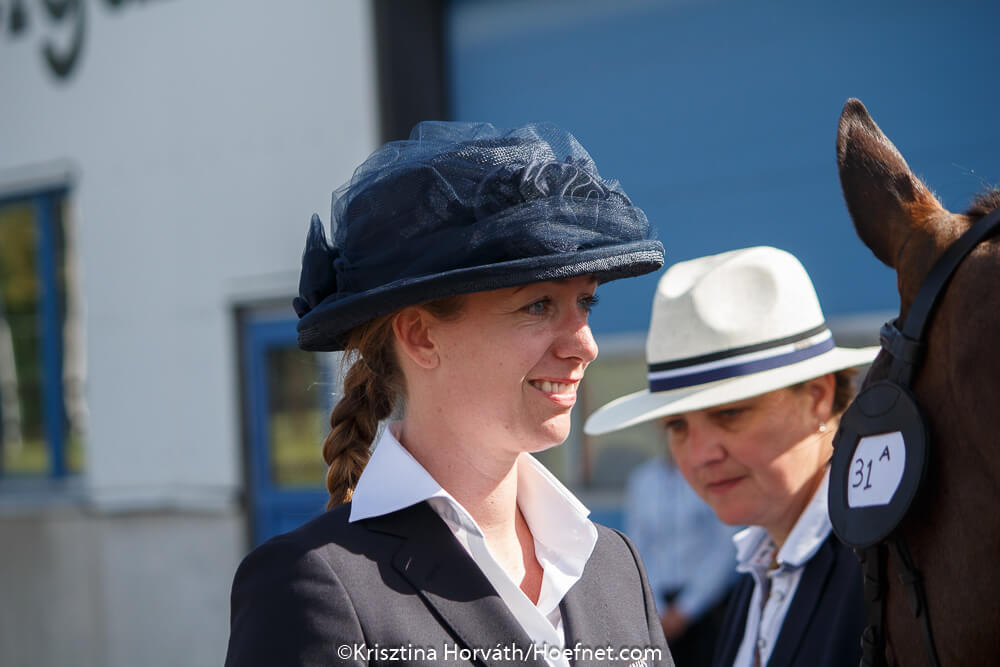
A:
x: 459, y: 281
x: 749, y: 386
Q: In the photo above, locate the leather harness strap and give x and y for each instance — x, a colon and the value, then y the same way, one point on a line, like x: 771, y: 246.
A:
x: 873, y: 637
x: 909, y: 341
x: 910, y: 577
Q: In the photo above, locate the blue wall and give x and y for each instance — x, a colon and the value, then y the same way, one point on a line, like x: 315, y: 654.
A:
x: 719, y: 119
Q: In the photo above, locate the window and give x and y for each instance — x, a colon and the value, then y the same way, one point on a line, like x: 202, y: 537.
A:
x: 287, y: 399
x: 301, y: 390
x: 42, y: 410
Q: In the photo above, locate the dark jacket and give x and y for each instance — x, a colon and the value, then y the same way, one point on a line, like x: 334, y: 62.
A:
x: 402, y: 581
x: 824, y: 622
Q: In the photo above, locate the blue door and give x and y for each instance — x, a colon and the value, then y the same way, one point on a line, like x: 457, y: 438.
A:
x: 288, y: 396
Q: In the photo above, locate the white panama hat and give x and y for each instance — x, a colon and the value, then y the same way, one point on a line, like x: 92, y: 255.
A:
x: 727, y: 327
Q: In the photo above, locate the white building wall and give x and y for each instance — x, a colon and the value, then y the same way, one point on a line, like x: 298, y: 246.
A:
x: 201, y: 136
x: 197, y: 137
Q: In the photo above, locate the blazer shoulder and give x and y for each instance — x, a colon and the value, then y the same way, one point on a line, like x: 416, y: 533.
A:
x: 613, y: 552
x: 331, y: 525
x: 331, y: 535
x: 293, y: 555
x: 614, y: 541
x: 289, y: 605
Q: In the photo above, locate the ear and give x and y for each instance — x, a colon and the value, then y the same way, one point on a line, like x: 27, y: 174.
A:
x: 821, y: 392
x: 886, y: 201
x: 414, y: 342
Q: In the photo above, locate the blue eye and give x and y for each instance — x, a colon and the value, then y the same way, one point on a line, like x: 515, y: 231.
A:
x: 539, y: 307
x: 588, y: 302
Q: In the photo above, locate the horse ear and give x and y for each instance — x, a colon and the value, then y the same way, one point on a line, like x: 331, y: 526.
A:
x: 886, y: 201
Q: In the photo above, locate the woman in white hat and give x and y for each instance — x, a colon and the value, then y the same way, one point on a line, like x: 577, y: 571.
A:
x: 749, y: 386
x: 459, y: 282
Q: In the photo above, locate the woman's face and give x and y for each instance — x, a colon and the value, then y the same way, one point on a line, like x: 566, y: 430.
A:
x: 511, y: 363
x: 757, y: 461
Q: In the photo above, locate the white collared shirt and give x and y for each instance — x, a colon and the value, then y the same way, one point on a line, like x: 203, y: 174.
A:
x: 755, y: 554
x: 564, y: 537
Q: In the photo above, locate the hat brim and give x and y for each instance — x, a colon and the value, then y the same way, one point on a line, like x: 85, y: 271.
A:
x: 643, y: 406
x: 325, y: 328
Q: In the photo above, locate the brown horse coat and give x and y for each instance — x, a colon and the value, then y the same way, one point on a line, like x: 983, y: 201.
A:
x: 953, y: 526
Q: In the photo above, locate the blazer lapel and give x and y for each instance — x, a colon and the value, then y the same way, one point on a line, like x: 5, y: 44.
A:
x: 807, y: 596
x: 584, y: 614
x: 734, y: 623
x: 450, y: 582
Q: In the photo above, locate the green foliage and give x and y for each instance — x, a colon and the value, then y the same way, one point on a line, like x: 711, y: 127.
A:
x: 20, y: 308
x: 19, y: 295
x: 18, y: 277
x: 30, y: 458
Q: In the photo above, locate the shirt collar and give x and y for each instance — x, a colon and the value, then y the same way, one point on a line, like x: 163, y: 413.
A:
x: 755, y: 549
x: 379, y: 490
x: 564, y: 536
x: 558, y: 520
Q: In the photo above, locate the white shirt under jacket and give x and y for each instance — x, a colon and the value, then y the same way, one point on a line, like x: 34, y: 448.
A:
x: 755, y: 554
x: 564, y: 536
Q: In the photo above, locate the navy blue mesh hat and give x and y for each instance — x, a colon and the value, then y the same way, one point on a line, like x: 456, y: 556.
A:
x: 459, y: 208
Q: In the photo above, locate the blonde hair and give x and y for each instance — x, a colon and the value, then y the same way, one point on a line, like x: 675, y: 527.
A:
x: 373, y: 385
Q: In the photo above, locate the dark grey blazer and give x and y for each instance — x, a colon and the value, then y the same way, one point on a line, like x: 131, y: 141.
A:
x: 403, y: 580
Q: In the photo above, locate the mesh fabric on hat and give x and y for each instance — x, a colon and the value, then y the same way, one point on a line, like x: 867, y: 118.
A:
x: 459, y: 194
x: 465, y: 207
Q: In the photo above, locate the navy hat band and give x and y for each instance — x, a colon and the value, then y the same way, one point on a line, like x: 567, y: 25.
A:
x: 559, y: 227
x: 740, y: 361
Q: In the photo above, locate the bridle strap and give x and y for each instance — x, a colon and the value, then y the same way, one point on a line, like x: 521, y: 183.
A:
x: 910, y: 339
x: 910, y: 577
x: 873, y: 637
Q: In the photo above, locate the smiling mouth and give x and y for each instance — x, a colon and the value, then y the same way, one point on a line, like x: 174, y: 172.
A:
x: 554, y: 387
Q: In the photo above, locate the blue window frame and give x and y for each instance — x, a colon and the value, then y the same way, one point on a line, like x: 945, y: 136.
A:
x: 288, y: 397
x: 42, y: 412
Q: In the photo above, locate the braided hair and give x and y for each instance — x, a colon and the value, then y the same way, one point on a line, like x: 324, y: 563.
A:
x: 373, y: 385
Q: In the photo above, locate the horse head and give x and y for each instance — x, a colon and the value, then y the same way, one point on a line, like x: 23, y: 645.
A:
x: 953, y: 526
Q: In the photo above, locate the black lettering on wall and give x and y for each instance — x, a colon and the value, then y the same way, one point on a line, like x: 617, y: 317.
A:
x: 17, y: 22
x: 61, y: 52
x: 61, y: 11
